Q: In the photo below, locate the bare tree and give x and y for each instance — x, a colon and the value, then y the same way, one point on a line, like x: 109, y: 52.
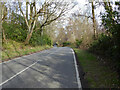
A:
x: 32, y: 21
x: 78, y: 14
x: 50, y: 11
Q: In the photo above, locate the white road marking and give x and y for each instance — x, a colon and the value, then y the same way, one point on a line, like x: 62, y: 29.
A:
x: 22, y: 70
x: 9, y: 61
x: 21, y: 56
x: 14, y: 59
x: 77, y: 74
x: 17, y: 74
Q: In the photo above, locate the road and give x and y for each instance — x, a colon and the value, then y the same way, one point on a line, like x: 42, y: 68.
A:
x: 53, y: 68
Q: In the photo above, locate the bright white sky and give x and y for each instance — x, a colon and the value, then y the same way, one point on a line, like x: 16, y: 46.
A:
x: 86, y: 9
x: 81, y: 5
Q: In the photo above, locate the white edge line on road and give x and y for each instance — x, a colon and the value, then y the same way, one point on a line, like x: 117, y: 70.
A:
x: 21, y: 71
x: 17, y: 58
x: 9, y: 60
x: 17, y: 74
x: 76, y: 68
x: 20, y: 57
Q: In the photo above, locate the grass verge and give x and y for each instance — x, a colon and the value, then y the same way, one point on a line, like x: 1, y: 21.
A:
x: 97, y: 75
x: 12, y: 49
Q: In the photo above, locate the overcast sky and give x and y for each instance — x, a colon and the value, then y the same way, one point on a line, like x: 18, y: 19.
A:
x: 80, y: 5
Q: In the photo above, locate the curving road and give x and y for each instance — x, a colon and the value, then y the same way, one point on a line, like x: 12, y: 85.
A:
x: 53, y: 68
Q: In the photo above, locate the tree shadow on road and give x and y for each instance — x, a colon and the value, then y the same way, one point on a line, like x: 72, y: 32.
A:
x: 62, y: 78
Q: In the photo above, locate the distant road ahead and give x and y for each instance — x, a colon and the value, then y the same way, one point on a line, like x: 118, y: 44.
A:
x: 53, y: 68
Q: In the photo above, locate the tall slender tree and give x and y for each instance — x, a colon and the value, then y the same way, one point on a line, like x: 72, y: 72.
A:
x: 4, y: 14
x: 93, y: 19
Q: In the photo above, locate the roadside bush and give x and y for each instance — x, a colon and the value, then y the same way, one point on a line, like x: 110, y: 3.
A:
x: 66, y: 43
x: 103, y: 43
x: 38, y: 39
x: 109, y: 46
x: 78, y: 43
x: 18, y: 33
x: 105, y: 46
x: 14, y: 31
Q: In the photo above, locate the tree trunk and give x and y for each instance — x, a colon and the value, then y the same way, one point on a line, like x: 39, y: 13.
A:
x: 3, y: 15
x: 27, y: 10
x: 30, y: 32
x: 28, y: 37
x: 4, y: 37
x: 94, y: 26
x: 3, y: 32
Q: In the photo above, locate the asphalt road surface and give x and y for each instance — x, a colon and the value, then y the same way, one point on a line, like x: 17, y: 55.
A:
x: 53, y: 68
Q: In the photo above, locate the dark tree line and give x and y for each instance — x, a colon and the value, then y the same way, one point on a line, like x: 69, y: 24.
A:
x: 108, y: 43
